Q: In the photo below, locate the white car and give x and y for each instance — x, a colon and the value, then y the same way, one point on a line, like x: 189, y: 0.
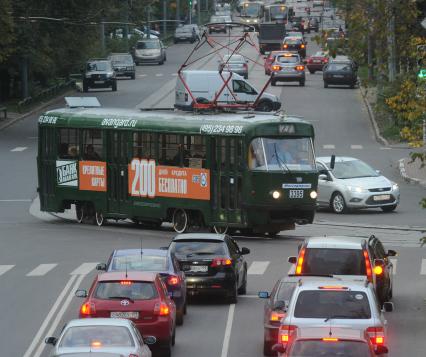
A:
x: 101, y: 336
x: 353, y: 184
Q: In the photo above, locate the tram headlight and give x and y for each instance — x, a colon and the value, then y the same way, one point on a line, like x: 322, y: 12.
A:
x: 276, y: 194
x: 314, y: 194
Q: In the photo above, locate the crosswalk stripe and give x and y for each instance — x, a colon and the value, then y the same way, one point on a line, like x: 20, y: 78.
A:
x: 159, y: 75
x: 41, y: 270
x: 257, y: 268
x: 84, y: 269
x: 174, y: 74
x: 332, y: 147
x: 19, y: 148
x: 423, y: 268
x: 5, y: 268
x: 395, y: 264
x: 356, y: 147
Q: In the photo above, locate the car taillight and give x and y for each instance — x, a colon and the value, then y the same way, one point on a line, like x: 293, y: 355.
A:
x: 218, y: 262
x: 285, y: 332
x: 368, y: 266
x: 377, y: 335
x: 173, y: 280
x: 310, y: 60
x: 285, y: 46
x: 87, y: 309
x: 302, y: 46
x: 162, y: 309
x: 276, y: 68
x: 378, y: 270
x: 276, y: 316
x: 330, y: 339
x: 300, y: 68
x: 325, y: 60
x: 300, y: 261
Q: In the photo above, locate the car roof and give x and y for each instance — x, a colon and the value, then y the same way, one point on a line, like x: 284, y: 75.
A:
x: 101, y: 321
x: 136, y: 251
x: 338, y: 158
x: 89, y: 354
x: 148, y: 39
x: 327, y: 331
x: 130, y: 275
x: 200, y: 236
x: 335, y: 242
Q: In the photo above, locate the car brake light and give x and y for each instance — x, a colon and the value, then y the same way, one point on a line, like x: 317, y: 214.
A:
x: 368, y: 266
x: 378, y: 270
x: 245, y: 65
x: 377, y: 335
x: 333, y: 287
x: 276, y: 316
x: 276, y: 68
x: 330, y: 339
x: 285, y: 46
x: 217, y: 262
x: 302, y: 46
x: 87, y: 309
x: 300, y: 68
x: 173, y: 280
x: 96, y: 344
x: 285, y: 332
x: 161, y: 308
x: 300, y: 261
x: 125, y: 282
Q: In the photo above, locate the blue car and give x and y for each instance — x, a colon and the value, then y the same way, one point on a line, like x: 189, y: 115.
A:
x: 156, y: 260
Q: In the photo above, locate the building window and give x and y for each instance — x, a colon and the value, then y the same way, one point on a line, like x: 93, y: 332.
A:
x: 68, y: 147
x: 92, y: 144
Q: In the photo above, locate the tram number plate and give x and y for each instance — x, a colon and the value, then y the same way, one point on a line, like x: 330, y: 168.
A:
x: 296, y: 194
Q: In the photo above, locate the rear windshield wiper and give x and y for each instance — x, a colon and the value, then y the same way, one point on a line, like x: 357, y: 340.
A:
x: 336, y: 317
x: 122, y: 297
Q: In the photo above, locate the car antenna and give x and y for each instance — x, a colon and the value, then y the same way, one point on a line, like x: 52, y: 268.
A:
x: 330, y: 333
x: 141, y: 249
x: 126, y: 266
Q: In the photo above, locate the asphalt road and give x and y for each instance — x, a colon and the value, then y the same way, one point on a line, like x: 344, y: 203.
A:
x: 44, y: 259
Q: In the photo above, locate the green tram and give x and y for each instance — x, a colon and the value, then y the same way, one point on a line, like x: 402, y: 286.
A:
x: 254, y: 173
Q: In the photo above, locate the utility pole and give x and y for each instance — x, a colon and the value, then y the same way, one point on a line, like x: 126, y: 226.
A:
x: 391, y: 41
x: 178, y: 11
x: 102, y: 36
x: 148, y: 25
x: 199, y: 12
x: 369, y: 42
x: 164, y: 17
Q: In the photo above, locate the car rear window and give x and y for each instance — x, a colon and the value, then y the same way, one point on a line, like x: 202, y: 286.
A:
x: 344, y: 67
x: 324, y: 261
x: 334, y: 304
x: 145, y: 45
x: 97, y: 336
x: 188, y: 248
x: 310, y: 348
x: 293, y: 42
x: 139, y: 262
x: 288, y: 59
x: 135, y: 290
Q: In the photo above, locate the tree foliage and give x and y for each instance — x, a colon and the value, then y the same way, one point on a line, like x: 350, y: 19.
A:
x: 7, y: 36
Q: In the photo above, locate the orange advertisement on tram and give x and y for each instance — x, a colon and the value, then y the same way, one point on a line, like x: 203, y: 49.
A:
x: 92, y: 176
x: 148, y: 180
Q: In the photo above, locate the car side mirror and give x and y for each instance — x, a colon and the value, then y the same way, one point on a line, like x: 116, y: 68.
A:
x: 388, y: 306
x: 292, y: 260
x: 149, y: 340
x: 50, y: 340
x: 245, y: 251
x: 380, y: 349
x: 392, y: 253
x: 378, y: 171
x: 81, y: 293
x: 263, y: 295
x: 332, y: 162
x: 323, y: 177
x: 278, y: 347
x: 101, y: 266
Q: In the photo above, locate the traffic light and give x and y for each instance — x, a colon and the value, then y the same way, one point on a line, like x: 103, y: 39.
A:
x: 190, y: 4
x: 422, y: 74
x: 421, y: 53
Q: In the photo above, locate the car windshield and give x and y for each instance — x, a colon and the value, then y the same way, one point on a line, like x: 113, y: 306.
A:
x: 343, y: 67
x: 295, y: 34
x: 278, y: 12
x: 215, y: 19
x: 127, y: 59
x: 148, y: 45
x: 188, y: 248
x: 352, y: 169
x: 98, y: 66
x: 134, y: 290
x: 97, y: 336
x: 332, y: 304
x: 319, y: 54
x: 334, y: 261
x: 342, y: 348
x: 288, y: 59
x: 281, y: 154
x: 141, y: 262
x: 184, y: 29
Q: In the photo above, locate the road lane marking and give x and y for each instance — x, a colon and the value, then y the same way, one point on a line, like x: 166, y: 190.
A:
x: 385, y: 148
x: 159, y: 75
x: 17, y: 200
x: 84, y: 269
x: 5, y: 268
x: 423, y: 268
x: 332, y: 147
x: 395, y: 264
x: 249, y: 296
x: 356, y: 147
x: 257, y: 268
x: 40, y: 333
x: 19, y: 149
x: 141, y: 75
x: 42, y: 269
x: 228, y: 329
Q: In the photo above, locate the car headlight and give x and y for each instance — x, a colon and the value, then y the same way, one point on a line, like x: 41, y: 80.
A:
x: 276, y: 194
x: 255, y: 20
x: 395, y: 187
x: 247, y: 20
x: 313, y: 194
x: 356, y: 189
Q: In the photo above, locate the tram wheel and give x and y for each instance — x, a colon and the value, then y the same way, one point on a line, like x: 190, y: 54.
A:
x: 79, y: 213
x: 180, y: 220
x: 220, y: 230
x: 99, y: 218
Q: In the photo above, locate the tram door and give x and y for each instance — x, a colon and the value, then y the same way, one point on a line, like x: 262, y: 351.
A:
x: 47, y: 168
x: 227, y: 179
x: 117, y: 171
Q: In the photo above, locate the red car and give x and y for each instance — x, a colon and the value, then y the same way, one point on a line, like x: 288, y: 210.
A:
x: 317, y: 61
x: 269, y: 60
x: 139, y: 296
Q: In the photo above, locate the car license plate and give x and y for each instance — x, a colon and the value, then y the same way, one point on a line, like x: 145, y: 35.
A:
x: 125, y: 314
x: 296, y: 194
x: 338, y: 76
x: 381, y: 197
x: 316, y: 61
x: 99, y: 82
x: 199, y: 268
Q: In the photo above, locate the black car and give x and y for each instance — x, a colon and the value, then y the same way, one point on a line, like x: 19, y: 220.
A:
x: 99, y: 74
x: 212, y: 263
x: 295, y: 44
x: 158, y: 260
x: 340, y: 71
x: 123, y: 64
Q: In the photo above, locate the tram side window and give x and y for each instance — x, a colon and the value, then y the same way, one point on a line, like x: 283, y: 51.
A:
x: 92, y: 144
x: 256, y: 155
x: 144, y: 145
x: 68, y: 147
x: 194, y: 151
x: 170, y: 150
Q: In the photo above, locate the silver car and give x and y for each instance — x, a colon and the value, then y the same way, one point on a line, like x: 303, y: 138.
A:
x: 288, y: 67
x: 353, y: 184
x: 149, y: 51
x: 100, y: 336
x: 234, y: 63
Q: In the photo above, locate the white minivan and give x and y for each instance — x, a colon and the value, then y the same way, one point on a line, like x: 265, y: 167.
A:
x: 204, y: 86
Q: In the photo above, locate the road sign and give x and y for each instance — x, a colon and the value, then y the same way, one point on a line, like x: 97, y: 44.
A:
x: 423, y: 23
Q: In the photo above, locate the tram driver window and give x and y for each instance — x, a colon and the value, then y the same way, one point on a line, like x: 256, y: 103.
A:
x: 256, y: 156
x: 68, y: 144
x: 92, y: 144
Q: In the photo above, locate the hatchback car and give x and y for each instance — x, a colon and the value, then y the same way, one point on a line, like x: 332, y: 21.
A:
x: 186, y: 33
x: 99, y: 73
x: 350, y: 258
x: 270, y: 59
x: 212, y: 263
x: 288, y: 67
x: 317, y: 61
x: 123, y: 64
x: 353, y: 184
x: 217, y: 24
x: 234, y: 63
x: 149, y: 51
x: 295, y: 44
x: 155, y: 260
x: 104, y: 337
x: 138, y: 296
x: 340, y: 71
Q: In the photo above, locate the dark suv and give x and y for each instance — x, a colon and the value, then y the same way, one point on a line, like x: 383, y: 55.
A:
x: 341, y: 71
x: 99, y: 73
x: 123, y: 64
x: 295, y: 44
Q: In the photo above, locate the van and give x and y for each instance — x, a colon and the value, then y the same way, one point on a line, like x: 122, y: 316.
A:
x: 204, y: 86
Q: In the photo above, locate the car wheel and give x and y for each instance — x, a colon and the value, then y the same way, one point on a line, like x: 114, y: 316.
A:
x: 99, y: 218
x: 338, y: 204
x: 273, y: 234
x: 267, y: 349
x: 352, y: 86
x: 79, y: 213
x: 302, y: 83
x: 325, y: 84
x: 174, y: 337
x: 161, y: 62
x: 180, y: 220
x: 388, y: 208
x: 233, y: 294
x: 242, y: 290
x: 185, y: 308
x: 166, y: 351
x: 179, y: 317
x: 114, y: 86
x: 264, y: 106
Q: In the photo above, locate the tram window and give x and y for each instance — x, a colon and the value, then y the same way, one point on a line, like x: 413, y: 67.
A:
x: 256, y: 156
x: 232, y: 193
x: 222, y: 150
x: 223, y: 191
x: 143, y: 145
x: 170, y: 150
x: 232, y: 152
x: 194, y: 151
x: 68, y: 144
x: 92, y: 144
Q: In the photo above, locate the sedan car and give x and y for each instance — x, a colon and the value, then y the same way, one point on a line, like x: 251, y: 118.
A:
x: 340, y: 72
x: 213, y: 264
x: 123, y: 64
x: 234, y: 63
x: 317, y: 61
x: 295, y: 44
x: 104, y: 337
x: 288, y: 67
x: 156, y: 260
x: 217, y: 24
x: 138, y: 296
x: 149, y: 51
x: 353, y: 184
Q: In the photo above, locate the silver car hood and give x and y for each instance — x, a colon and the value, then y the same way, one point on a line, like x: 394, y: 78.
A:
x: 367, y: 182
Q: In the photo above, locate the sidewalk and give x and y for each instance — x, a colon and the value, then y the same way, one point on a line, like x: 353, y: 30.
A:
x: 412, y: 171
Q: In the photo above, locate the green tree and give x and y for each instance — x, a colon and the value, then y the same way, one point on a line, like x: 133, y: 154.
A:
x: 7, y: 37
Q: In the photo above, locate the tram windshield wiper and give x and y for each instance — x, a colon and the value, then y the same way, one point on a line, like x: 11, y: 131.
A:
x: 281, y: 163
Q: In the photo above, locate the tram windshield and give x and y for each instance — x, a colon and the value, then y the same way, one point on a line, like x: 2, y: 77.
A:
x: 281, y: 154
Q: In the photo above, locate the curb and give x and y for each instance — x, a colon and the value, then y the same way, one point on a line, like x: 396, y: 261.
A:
x: 406, y: 177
